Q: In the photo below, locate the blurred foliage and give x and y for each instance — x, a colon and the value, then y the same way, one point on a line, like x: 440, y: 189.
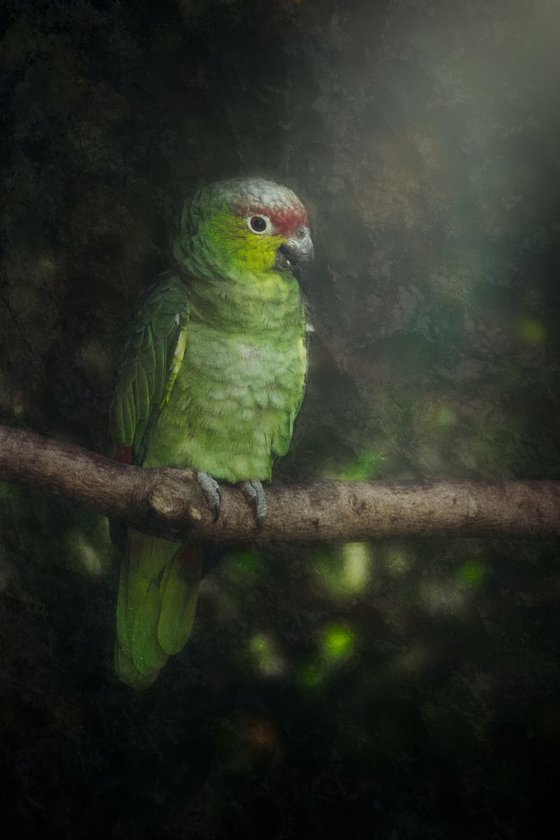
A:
x: 404, y: 689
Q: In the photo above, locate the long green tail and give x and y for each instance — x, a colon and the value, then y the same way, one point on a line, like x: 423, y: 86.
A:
x: 158, y: 591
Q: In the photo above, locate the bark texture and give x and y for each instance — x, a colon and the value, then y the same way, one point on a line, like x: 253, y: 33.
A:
x: 169, y: 501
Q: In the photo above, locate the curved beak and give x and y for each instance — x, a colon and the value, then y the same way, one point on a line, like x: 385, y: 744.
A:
x: 296, y: 254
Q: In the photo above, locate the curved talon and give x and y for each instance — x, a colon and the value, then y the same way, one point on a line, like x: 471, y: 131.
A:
x: 254, y: 490
x: 211, y: 490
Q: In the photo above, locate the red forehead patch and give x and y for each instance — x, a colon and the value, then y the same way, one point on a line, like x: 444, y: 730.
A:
x: 286, y: 220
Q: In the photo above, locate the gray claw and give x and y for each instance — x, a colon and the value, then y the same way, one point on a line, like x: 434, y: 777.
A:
x: 211, y: 490
x: 255, y: 492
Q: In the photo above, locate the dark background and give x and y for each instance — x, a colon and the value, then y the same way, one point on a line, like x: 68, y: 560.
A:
x: 403, y: 689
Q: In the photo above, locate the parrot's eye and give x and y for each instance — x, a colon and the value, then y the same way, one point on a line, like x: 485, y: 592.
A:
x: 259, y: 224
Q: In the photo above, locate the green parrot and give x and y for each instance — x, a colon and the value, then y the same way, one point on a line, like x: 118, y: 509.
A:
x: 212, y: 378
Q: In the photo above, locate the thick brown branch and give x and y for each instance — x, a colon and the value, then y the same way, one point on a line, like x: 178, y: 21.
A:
x: 169, y: 502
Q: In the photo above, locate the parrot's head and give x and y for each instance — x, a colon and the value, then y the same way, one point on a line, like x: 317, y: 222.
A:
x: 242, y: 229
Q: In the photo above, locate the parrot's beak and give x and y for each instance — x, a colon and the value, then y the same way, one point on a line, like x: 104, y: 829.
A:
x: 296, y: 254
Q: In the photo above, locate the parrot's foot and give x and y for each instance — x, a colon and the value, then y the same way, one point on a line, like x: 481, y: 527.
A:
x: 211, y: 490
x: 254, y: 490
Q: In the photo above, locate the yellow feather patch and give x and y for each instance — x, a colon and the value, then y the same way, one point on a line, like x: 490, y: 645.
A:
x: 176, y: 362
x: 254, y: 255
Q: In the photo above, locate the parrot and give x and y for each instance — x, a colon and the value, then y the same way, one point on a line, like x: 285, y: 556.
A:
x: 212, y: 377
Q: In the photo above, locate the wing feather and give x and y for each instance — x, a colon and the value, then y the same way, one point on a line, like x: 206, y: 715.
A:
x: 151, y: 360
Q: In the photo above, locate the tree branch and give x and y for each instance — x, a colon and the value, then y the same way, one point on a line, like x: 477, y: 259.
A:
x: 169, y: 502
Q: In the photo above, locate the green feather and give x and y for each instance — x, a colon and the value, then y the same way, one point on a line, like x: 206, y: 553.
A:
x: 139, y: 604
x: 147, y: 359
x: 212, y: 377
x: 179, y: 594
x: 142, y: 400
x: 160, y: 367
x: 146, y: 368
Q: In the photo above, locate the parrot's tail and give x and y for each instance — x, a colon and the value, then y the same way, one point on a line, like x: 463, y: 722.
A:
x: 158, y: 591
